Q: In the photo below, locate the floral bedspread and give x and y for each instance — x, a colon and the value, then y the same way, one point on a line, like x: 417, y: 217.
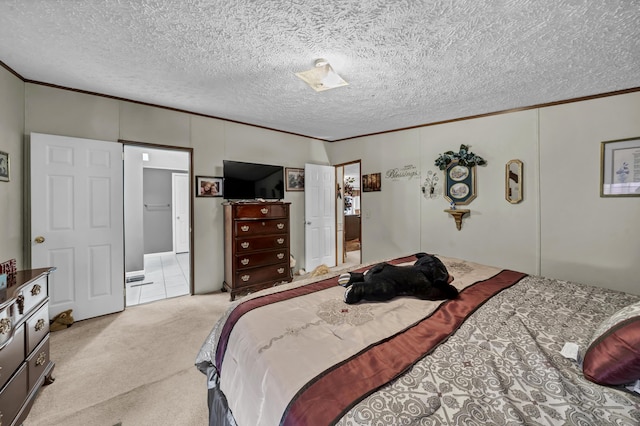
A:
x: 503, y: 366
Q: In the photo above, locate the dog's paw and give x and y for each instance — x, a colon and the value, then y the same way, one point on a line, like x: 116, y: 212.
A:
x: 346, y: 295
x: 343, y: 279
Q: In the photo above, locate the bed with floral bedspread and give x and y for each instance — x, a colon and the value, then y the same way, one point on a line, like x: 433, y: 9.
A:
x: 296, y: 354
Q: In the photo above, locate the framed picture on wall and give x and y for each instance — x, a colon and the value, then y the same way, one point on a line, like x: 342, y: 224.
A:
x: 4, y: 166
x: 294, y: 179
x: 372, y: 182
x: 620, y: 168
x: 460, y: 183
x: 208, y: 186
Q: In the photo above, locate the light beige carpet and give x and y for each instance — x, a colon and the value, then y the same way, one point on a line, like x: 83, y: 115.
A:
x: 135, y: 367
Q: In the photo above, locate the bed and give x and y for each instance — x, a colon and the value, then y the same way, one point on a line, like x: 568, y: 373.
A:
x: 511, y: 349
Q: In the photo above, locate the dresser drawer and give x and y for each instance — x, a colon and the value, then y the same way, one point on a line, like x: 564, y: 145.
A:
x: 245, y: 245
x: 253, y: 211
x: 276, y: 273
x: 37, y: 362
x: 31, y: 295
x: 13, y: 395
x: 37, y: 327
x: 260, y: 227
x: 12, y: 354
x: 261, y: 259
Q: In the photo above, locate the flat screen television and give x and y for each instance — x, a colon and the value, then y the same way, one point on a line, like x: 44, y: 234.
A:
x: 250, y: 181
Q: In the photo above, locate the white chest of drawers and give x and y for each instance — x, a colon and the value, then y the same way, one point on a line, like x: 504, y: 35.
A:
x: 24, y: 343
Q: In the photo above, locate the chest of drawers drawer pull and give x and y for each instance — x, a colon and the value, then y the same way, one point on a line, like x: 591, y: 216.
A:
x: 5, y: 326
x: 20, y: 303
x: 264, y: 210
x: 245, y: 278
x: 281, y: 270
x: 42, y: 358
x: 35, y: 290
x: 280, y: 240
x: 280, y: 256
x: 244, y: 228
x: 244, y: 261
x: 244, y: 245
x: 280, y: 226
x: 40, y: 324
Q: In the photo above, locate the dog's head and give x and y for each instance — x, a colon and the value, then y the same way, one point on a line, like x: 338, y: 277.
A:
x: 433, y: 269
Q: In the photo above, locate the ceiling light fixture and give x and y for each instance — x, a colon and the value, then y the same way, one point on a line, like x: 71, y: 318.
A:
x: 322, y: 77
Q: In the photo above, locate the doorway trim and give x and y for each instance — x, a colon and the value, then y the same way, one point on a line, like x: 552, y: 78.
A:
x: 191, y: 191
x: 341, y: 191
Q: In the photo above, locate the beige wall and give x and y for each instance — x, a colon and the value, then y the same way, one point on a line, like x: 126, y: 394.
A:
x: 11, y: 193
x: 587, y: 238
x: 63, y: 112
x: 562, y: 229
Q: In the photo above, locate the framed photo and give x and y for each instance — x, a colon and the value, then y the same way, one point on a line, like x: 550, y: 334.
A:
x: 295, y: 179
x: 460, y: 183
x: 208, y: 186
x: 372, y: 182
x: 620, y: 168
x: 4, y: 166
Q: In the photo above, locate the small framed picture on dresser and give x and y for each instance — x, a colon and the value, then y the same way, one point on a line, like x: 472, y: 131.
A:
x: 4, y: 166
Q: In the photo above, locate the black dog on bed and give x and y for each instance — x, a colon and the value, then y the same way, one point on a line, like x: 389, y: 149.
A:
x: 426, y: 279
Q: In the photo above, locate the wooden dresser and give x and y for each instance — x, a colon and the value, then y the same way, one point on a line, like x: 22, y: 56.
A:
x: 24, y: 342
x: 256, y: 246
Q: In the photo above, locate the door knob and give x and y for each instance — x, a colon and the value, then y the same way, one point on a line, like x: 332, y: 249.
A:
x: 39, y: 240
x: 308, y: 223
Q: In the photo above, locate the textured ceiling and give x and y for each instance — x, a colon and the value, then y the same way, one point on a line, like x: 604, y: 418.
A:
x: 408, y: 63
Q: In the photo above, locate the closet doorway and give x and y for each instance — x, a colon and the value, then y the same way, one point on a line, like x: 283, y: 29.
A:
x: 348, y: 207
x: 157, y: 212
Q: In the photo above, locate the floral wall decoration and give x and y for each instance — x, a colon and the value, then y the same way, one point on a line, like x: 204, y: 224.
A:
x: 348, y: 192
x: 459, y: 175
x: 430, y: 188
x: 348, y: 185
x: 464, y: 157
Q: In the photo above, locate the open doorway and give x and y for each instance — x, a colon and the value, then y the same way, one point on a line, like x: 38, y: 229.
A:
x: 348, y: 213
x: 157, y: 211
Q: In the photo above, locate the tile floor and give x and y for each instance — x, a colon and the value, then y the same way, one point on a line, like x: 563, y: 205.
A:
x: 353, y: 258
x: 165, y: 275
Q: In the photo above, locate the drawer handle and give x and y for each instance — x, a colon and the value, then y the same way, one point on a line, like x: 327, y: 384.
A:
x: 280, y: 270
x: 244, y: 245
x: 40, y: 324
x: 42, y: 358
x: 280, y: 226
x: 244, y: 228
x: 5, y: 325
x: 245, y: 278
x: 35, y: 290
x: 20, y: 302
x: 245, y: 262
x: 264, y: 210
x: 280, y: 256
x: 280, y: 240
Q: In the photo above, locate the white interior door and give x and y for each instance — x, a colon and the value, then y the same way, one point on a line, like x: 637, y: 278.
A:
x: 320, y: 216
x: 180, y: 212
x: 77, y: 210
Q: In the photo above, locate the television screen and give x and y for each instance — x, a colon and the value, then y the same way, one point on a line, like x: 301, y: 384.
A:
x: 249, y: 181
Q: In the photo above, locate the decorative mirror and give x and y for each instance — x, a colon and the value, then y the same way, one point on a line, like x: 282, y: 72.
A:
x: 513, y: 181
